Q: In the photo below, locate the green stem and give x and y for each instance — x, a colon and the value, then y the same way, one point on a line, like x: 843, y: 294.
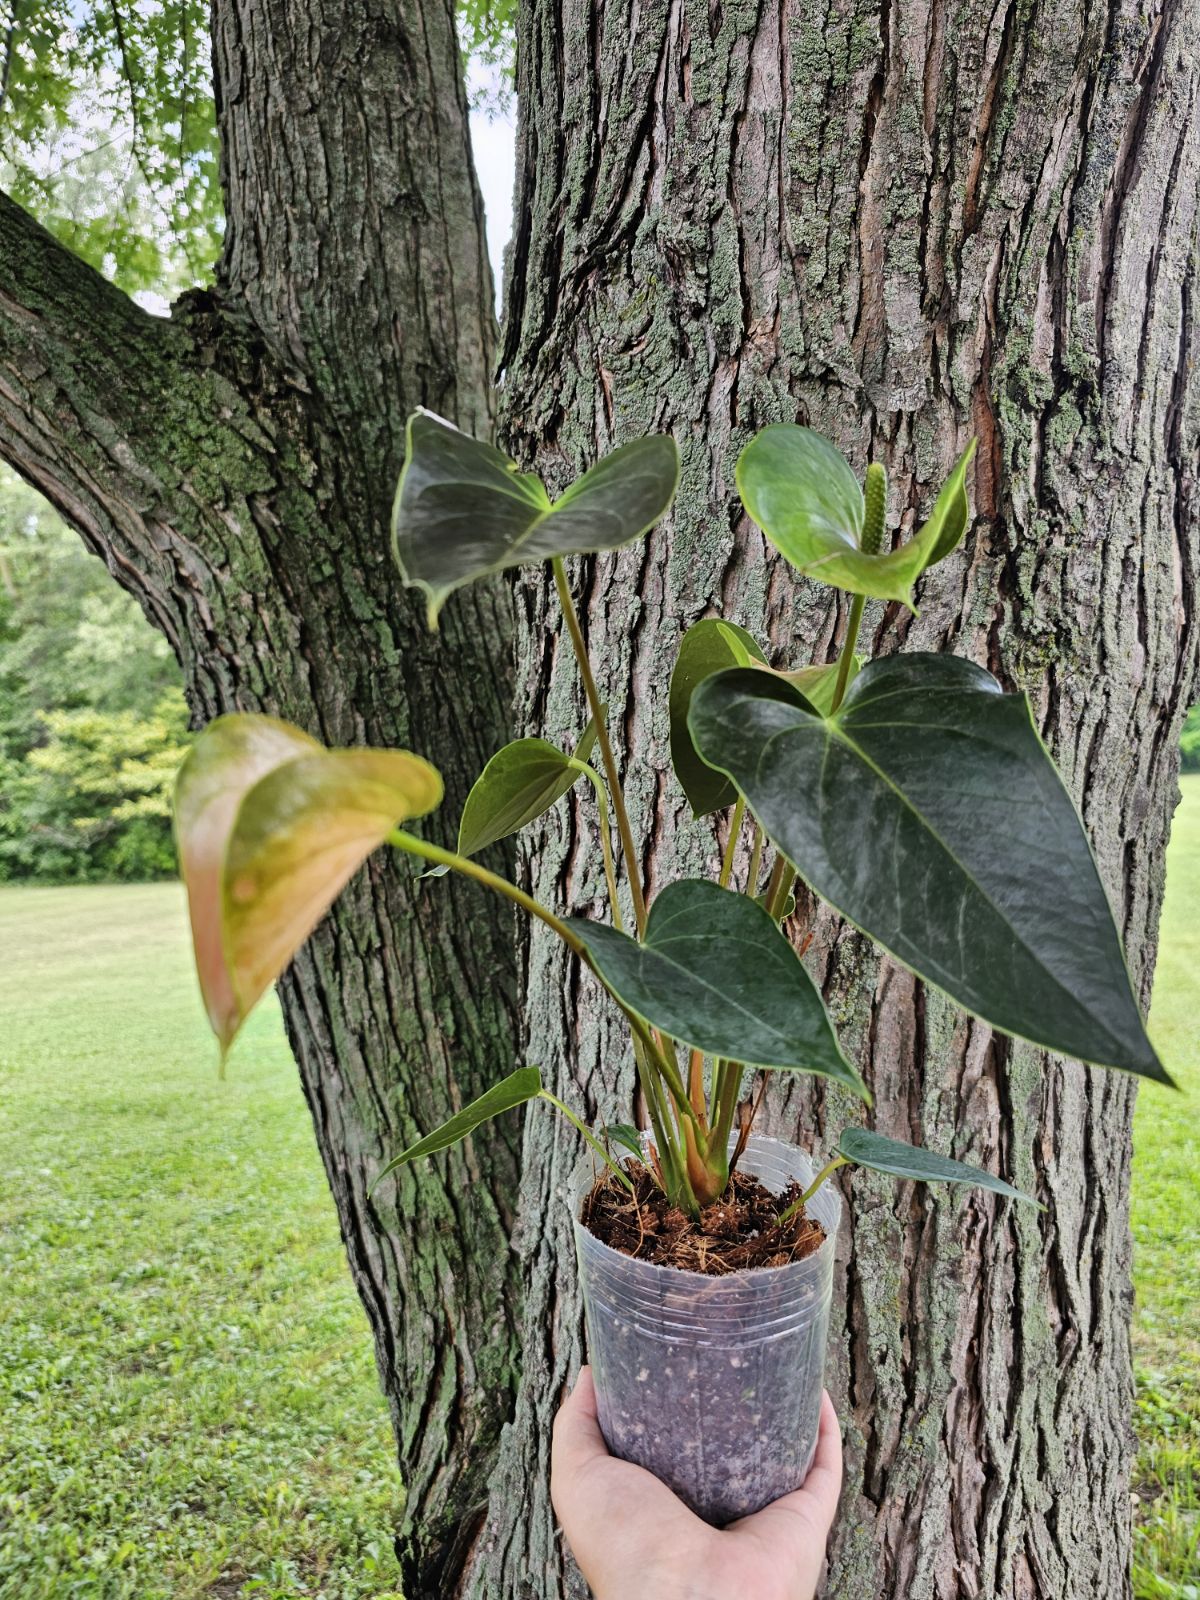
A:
x: 847, y: 656
x: 610, y: 875
x: 670, y: 1154
x: 658, y: 1065
x: 756, y: 854
x: 725, y: 1099
x: 596, y: 708
x: 735, y: 828
x: 666, y: 1068
x: 619, y: 1172
x: 492, y: 880
x: 830, y: 1166
x: 777, y: 903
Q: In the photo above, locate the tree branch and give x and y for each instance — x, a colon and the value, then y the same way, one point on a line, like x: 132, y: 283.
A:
x: 107, y: 410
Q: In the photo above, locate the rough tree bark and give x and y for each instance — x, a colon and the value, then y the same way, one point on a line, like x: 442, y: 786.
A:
x: 903, y: 224
x: 234, y: 467
x: 897, y: 221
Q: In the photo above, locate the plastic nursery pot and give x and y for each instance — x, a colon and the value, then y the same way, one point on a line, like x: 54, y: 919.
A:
x: 713, y: 1384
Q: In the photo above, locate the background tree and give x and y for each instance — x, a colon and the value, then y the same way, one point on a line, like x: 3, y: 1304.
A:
x: 234, y: 467
x: 900, y: 224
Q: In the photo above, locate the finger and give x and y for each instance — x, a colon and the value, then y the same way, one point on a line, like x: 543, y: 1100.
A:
x: 577, y: 1437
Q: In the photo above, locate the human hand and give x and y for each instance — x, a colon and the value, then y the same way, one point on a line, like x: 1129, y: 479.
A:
x: 632, y: 1537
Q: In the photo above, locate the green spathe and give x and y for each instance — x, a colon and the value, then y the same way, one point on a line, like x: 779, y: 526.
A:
x: 928, y: 812
x: 715, y: 973
x: 463, y: 509
x: 799, y: 489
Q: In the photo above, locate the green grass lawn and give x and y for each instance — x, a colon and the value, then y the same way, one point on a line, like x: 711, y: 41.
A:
x: 187, y: 1392
x: 1166, y: 1231
x: 188, y: 1398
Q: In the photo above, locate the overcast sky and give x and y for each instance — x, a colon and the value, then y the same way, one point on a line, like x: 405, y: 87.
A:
x: 492, y: 136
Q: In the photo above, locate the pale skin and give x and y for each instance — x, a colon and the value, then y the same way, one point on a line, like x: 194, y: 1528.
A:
x: 632, y: 1537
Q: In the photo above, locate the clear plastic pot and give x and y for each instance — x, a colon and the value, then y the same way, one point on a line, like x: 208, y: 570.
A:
x: 713, y: 1384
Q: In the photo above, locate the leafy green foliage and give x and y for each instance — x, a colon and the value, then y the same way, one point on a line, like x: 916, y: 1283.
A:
x: 708, y: 646
x: 93, y: 802
x: 862, y: 1148
x: 92, y: 721
x: 928, y: 812
x: 1189, y: 743
x: 523, y: 1085
x: 626, y: 1137
x: 463, y: 509
x: 108, y: 135
x: 801, y: 492
x: 716, y: 973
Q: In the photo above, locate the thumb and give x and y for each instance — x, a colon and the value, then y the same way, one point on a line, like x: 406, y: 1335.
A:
x: 577, y: 1437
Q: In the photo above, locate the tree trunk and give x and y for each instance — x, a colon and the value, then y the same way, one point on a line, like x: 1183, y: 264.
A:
x: 234, y: 468
x: 903, y: 225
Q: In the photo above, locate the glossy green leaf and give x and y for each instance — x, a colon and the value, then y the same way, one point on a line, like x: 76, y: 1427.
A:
x: 801, y: 492
x: 463, y: 509
x: 270, y: 825
x: 519, y: 784
x: 520, y: 1086
x: 928, y: 812
x: 900, y: 1160
x: 715, y: 973
x: 709, y: 646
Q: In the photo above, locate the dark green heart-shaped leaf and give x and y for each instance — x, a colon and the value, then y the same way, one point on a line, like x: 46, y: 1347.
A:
x: 900, y: 1160
x: 715, y: 973
x: 708, y: 646
x: 522, y: 1085
x: 800, y: 491
x: 463, y: 509
x: 928, y: 812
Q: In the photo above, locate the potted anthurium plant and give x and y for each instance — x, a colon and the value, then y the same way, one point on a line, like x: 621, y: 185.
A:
x: 908, y: 791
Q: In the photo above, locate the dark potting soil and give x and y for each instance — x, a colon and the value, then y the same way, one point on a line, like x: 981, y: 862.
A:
x: 736, y: 1233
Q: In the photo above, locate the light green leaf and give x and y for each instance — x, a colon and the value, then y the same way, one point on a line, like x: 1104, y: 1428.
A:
x: 801, y: 492
x: 520, y: 1086
x: 708, y: 646
x: 463, y: 509
x: 928, y: 812
x: 899, y: 1160
x: 715, y: 973
x: 270, y: 825
x: 518, y: 785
